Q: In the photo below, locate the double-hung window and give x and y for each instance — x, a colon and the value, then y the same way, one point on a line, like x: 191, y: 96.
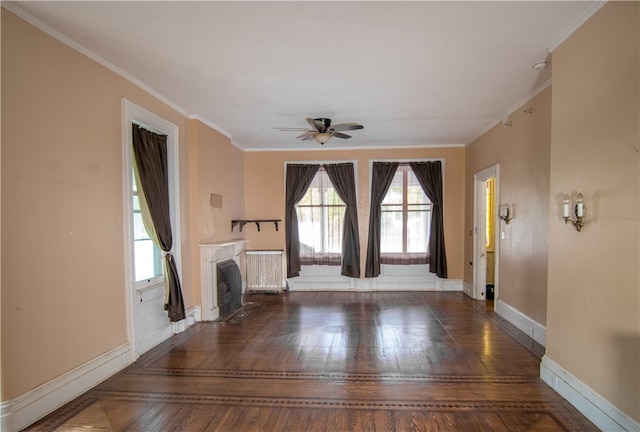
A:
x: 320, y: 222
x: 148, y: 265
x: 405, y: 220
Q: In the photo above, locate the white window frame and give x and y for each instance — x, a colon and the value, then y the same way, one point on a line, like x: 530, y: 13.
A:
x: 325, y: 208
x: 134, y: 114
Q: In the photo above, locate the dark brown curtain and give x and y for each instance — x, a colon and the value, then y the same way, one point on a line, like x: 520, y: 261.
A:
x: 299, y: 177
x: 150, y: 152
x: 381, y: 178
x: 429, y: 175
x: 343, y: 179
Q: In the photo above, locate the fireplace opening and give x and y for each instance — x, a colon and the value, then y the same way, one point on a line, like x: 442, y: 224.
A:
x: 229, y: 287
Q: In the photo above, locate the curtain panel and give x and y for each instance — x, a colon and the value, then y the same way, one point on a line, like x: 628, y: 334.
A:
x: 342, y: 177
x: 429, y: 175
x: 381, y: 178
x: 298, y: 179
x: 150, y: 156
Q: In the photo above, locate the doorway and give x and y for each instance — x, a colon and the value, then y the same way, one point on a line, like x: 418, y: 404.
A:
x: 485, y: 239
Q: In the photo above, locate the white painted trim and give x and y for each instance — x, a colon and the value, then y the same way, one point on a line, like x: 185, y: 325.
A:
x: 452, y: 284
x: 528, y: 326
x: 600, y: 411
x: 192, y: 316
x: 210, y: 255
x: 386, y: 146
x: 411, y: 278
x: 132, y: 113
x: 555, y: 44
x: 15, y: 8
x: 213, y: 126
x: 514, y: 108
x: 479, y: 208
x: 467, y: 288
x: 46, y: 398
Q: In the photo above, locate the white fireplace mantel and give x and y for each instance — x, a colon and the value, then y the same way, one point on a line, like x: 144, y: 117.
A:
x: 210, y: 255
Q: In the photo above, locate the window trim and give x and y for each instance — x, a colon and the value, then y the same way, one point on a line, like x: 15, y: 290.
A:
x: 134, y: 114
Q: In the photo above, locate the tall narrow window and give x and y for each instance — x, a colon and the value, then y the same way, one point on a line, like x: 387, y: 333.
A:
x: 405, y: 221
x: 320, y: 222
x: 147, y: 256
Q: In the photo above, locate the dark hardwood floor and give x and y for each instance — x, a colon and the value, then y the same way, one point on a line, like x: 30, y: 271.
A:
x: 385, y: 361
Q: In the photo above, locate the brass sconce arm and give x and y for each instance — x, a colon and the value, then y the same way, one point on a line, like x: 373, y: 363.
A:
x: 579, y: 211
x: 505, y: 213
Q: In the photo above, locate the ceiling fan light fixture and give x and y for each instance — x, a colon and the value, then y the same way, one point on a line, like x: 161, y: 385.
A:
x: 322, y: 137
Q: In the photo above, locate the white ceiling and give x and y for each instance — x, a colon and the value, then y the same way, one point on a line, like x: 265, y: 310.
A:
x: 413, y: 73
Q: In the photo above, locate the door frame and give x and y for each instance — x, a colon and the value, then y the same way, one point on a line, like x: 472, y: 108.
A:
x: 479, y: 249
x: 134, y: 114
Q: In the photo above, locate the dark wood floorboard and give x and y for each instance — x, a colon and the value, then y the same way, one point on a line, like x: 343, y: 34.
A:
x: 384, y: 361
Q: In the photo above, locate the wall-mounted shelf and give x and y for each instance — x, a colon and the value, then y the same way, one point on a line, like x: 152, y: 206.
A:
x: 243, y: 222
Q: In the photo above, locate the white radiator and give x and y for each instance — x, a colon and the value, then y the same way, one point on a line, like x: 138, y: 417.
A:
x: 264, y: 270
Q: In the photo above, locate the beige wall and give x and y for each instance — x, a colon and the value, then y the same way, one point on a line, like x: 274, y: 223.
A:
x: 63, y: 271
x: 593, y: 324
x: 219, y: 171
x: 217, y: 175
x: 264, y: 195
x: 522, y: 150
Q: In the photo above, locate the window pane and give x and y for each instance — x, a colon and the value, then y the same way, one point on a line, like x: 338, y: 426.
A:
x: 335, y: 220
x: 147, y: 260
x: 394, y: 194
x: 405, y: 219
x: 391, y: 232
x: 415, y: 194
x: 139, y: 232
x: 147, y: 257
x: 310, y: 238
x: 320, y: 221
x: 417, y: 231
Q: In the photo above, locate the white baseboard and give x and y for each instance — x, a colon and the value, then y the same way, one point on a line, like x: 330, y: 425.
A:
x: 452, y: 285
x: 193, y: 315
x: 528, y: 326
x: 392, y: 278
x: 44, y: 399
x: 593, y: 406
x: 467, y: 287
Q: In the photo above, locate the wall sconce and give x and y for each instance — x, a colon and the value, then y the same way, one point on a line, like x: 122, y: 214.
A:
x: 579, y: 210
x: 504, y: 213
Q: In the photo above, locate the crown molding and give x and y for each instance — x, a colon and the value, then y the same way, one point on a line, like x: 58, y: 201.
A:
x: 588, y: 14
x: 513, y: 109
x: 14, y: 8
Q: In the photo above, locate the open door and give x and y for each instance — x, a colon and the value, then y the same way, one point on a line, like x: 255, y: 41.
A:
x: 485, y: 243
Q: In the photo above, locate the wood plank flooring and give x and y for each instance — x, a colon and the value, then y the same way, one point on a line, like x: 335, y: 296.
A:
x: 384, y: 361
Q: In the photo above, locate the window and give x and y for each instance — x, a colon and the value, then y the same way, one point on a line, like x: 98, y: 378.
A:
x: 320, y: 221
x: 147, y: 256
x: 405, y: 220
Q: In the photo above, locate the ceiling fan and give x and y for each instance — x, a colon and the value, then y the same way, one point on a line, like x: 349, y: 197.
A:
x: 322, y: 131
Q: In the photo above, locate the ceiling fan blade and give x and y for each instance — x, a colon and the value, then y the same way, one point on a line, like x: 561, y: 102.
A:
x: 321, y: 124
x: 347, y: 126
x: 307, y: 135
x: 313, y: 124
x: 340, y: 135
